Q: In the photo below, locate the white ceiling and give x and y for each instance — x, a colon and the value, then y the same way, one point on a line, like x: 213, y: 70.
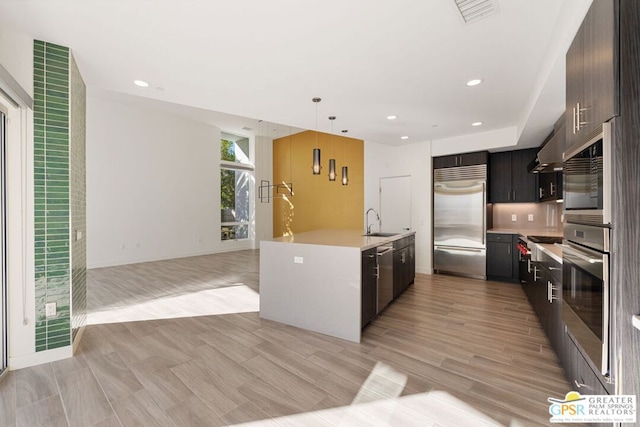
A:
x: 366, y: 59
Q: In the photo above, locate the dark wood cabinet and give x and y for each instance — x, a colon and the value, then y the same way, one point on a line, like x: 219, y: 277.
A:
x: 553, y: 326
x: 502, y: 257
x: 550, y: 186
x: 591, y: 71
x: 509, y: 179
x: 580, y: 374
x: 369, y: 286
x: 404, y: 264
x: 466, y: 159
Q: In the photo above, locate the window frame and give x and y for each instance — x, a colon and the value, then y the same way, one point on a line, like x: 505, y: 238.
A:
x: 248, y: 168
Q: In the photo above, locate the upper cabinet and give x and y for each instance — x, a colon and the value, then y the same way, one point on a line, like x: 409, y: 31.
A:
x: 466, y: 159
x: 549, y: 186
x: 592, y: 95
x: 509, y: 179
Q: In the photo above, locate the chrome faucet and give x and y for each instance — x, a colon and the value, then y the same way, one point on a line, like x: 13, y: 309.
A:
x: 367, y: 215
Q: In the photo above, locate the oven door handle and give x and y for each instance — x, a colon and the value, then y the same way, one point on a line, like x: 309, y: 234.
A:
x: 574, y: 252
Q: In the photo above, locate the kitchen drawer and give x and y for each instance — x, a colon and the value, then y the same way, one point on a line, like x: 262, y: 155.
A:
x: 369, y: 256
x: 553, y: 267
x: 500, y: 237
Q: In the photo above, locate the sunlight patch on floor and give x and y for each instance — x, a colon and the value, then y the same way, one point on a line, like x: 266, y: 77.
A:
x: 210, y: 302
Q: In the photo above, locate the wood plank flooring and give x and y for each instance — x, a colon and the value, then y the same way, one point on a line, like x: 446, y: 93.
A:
x: 479, y: 341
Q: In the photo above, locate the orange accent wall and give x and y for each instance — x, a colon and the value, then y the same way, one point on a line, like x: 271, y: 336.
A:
x: 318, y: 203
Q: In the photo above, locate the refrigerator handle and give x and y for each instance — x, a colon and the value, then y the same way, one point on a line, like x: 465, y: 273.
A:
x: 484, y: 213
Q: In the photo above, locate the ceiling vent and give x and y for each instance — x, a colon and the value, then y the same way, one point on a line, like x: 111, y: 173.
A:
x: 247, y: 128
x: 474, y: 10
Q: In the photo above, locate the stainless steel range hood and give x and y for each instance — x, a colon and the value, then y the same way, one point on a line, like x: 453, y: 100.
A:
x: 549, y: 157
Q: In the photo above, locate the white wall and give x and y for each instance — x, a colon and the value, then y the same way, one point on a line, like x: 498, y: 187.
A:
x: 414, y: 160
x: 501, y: 138
x: 153, y: 185
x: 16, y: 56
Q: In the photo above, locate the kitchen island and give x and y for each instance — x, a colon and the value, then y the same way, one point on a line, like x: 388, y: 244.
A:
x: 313, y: 280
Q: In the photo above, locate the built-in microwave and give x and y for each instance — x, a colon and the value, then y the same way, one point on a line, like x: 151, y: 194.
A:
x: 587, y: 176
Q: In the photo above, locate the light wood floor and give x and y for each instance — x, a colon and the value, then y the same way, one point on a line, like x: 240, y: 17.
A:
x: 479, y: 341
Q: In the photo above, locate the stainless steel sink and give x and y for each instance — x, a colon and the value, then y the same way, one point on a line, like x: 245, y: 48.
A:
x: 381, y: 234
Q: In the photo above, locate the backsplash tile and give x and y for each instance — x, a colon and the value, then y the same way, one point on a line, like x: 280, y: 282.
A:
x: 546, y: 216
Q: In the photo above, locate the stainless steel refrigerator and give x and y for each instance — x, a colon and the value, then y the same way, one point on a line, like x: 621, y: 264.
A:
x: 460, y: 219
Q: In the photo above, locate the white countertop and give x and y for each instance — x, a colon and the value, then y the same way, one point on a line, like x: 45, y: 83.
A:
x: 344, y: 238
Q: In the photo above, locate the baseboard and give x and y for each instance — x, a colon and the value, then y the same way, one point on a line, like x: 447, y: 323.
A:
x: 39, y: 358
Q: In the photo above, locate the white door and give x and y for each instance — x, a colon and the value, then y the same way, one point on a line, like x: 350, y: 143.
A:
x: 3, y: 245
x: 395, y: 204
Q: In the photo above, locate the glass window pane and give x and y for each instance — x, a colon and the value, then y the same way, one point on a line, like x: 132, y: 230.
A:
x: 231, y: 232
x: 234, y: 195
x: 234, y: 148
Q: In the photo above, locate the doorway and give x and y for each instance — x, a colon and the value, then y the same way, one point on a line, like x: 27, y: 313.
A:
x: 395, y: 203
x: 3, y: 244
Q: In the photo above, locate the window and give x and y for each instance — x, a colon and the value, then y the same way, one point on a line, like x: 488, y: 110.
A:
x: 236, y: 182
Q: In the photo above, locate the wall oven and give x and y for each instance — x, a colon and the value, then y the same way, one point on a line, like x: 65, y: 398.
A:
x: 586, y: 176
x: 587, y: 295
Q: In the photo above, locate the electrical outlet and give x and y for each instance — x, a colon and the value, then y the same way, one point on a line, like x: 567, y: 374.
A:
x: 50, y: 309
x: 530, y: 218
x: 298, y: 260
x: 514, y: 217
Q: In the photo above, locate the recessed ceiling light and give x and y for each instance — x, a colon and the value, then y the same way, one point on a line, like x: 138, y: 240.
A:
x: 141, y: 83
x: 392, y: 117
x: 476, y: 124
x: 474, y: 82
x: 404, y: 137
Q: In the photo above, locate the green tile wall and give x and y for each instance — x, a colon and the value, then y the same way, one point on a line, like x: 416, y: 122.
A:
x: 52, y: 194
x: 78, y: 190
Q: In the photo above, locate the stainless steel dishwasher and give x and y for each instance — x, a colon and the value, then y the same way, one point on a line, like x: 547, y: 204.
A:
x: 385, y: 276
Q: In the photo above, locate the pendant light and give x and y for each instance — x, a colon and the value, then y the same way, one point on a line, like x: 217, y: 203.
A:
x: 332, y: 162
x: 345, y: 169
x: 316, y: 151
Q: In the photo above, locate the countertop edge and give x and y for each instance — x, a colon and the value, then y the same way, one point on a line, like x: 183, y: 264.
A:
x: 345, y: 238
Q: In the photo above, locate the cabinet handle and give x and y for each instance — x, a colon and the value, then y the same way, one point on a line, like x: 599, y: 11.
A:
x: 514, y: 195
x: 552, y: 188
x: 579, y: 111
x: 535, y: 273
x: 581, y: 385
x: 574, y: 120
x: 540, y: 192
x: 577, y: 117
x: 554, y: 268
x: 371, y: 256
x: 377, y: 269
x: 509, y: 250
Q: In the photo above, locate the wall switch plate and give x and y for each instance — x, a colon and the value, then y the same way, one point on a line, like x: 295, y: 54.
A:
x: 530, y: 218
x: 50, y: 309
x: 298, y: 260
x: 514, y: 217
x: 78, y: 235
